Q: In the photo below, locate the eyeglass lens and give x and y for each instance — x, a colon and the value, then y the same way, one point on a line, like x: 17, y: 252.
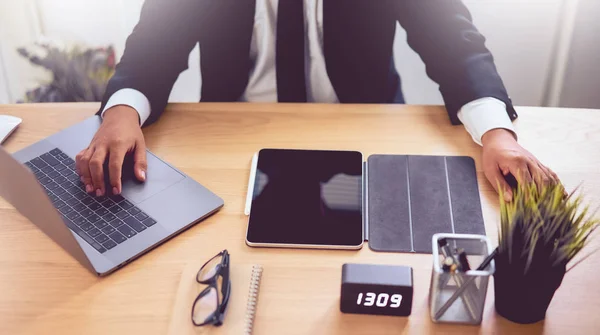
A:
x: 205, y: 307
x: 209, y: 269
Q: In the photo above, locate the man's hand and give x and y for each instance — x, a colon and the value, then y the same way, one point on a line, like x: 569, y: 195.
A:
x: 119, y: 134
x: 503, y: 155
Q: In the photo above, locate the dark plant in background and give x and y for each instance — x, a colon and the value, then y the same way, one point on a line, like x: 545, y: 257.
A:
x: 77, y: 74
x: 541, y: 231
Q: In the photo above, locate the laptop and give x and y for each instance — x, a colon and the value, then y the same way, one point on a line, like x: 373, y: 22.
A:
x: 102, y: 233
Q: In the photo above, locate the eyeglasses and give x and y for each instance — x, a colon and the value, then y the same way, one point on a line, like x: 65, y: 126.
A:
x: 210, y: 305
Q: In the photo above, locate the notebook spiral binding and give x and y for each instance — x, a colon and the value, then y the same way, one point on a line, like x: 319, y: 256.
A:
x: 253, y: 298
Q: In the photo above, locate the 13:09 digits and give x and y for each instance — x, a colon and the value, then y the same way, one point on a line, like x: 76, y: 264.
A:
x: 379, y: 300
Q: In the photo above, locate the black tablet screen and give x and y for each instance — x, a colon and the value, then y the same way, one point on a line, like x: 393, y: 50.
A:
x: 307, y: 197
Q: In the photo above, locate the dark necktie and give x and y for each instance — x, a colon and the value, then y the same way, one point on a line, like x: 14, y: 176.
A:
x: 291, y: 86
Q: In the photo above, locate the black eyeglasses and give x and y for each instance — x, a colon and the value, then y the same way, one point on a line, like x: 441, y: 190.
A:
x: 210, y: 305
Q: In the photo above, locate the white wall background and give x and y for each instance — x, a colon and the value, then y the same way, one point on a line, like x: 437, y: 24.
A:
x: 581, y: 85
x: 17, y: 25
x: 525, y: 36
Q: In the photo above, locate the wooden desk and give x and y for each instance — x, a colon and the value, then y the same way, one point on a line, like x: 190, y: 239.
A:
x: 44, y: 291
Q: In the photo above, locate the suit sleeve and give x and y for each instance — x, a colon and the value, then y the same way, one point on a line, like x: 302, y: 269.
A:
x: 157, y: 51
x: 454, y: 52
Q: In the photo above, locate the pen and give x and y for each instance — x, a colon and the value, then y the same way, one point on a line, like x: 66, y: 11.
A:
x: 461, y: 289
x: 487, y: 260
x: 464, y: 262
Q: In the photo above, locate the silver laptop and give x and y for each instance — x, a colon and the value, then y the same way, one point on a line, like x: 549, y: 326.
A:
x: 102, y: 233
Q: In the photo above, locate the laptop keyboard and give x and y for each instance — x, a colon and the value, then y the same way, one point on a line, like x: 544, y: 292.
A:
x: 103, y: 222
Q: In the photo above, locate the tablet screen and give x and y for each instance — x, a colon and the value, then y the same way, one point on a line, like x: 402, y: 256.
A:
x: 307, y: 197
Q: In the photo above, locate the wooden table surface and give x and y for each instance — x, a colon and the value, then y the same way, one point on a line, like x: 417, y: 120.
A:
x: 44, y: 291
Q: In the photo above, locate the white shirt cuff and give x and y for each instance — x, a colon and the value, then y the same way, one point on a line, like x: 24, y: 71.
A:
x: 484, y: 114
x: 132, y: 98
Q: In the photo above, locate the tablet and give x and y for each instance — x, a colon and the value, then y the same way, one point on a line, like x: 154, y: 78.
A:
x: 307, y: 199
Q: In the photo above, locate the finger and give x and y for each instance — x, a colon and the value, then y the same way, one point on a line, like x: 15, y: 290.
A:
x: 115, y: 166
x: 552, y: 175
x: 538, y: 174
x: 77, y: 167
x: 140, y: 164
x: 79, y: 163
x: 97, y: 171
x: 551, y: 179
x: 521, y: 172
x: 496, y: 178
x: 83, y: 165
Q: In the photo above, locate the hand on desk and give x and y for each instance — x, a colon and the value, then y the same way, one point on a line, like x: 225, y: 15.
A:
x: 503, y: 155
x: 119, y: 134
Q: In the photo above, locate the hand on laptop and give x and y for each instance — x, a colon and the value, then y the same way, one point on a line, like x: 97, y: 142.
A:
x: 119, y: 134
x: 503, y: 155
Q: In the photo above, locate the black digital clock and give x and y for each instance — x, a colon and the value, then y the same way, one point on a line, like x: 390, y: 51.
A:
x: 376, y: 289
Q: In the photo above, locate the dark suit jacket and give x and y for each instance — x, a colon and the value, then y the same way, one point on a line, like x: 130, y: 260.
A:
x: 358, y: 39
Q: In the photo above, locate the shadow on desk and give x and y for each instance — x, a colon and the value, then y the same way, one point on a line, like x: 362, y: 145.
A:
x: 500, y: 325
x: 358, y: 324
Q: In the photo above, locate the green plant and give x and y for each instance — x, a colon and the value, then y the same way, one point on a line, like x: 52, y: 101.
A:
x: 541, y: 229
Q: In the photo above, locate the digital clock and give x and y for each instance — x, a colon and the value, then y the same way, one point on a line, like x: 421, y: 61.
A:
x: 376, y: 289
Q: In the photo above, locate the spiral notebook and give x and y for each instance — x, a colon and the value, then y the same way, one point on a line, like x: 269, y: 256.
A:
x: 241, y: 310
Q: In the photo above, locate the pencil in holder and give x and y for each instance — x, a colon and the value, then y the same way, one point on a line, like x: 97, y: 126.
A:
x: 457, y: 295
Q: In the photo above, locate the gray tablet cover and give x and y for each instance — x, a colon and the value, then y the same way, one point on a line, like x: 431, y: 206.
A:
x: 410, y: 198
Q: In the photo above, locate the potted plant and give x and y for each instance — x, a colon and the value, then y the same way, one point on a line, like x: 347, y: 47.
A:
x: 77, y: 74
x: 541, y: 231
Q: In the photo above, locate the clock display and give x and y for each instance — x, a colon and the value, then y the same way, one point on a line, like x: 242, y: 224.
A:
x: 379, y: 300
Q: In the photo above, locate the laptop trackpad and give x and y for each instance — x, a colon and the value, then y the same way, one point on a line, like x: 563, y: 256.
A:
x: 158, y: 177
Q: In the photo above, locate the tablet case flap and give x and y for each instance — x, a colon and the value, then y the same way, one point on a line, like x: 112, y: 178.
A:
x: 410, y: 198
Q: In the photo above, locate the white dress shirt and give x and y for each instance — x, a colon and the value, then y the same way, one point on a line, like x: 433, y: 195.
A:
x: 477, y: 116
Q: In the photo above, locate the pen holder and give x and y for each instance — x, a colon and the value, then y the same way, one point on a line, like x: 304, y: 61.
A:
x: 459, y: 297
